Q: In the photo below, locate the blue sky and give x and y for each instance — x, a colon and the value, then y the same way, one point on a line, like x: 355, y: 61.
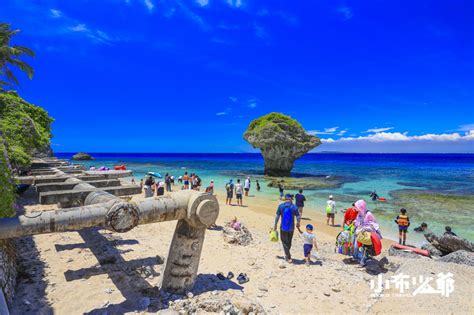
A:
x: 189, y: 76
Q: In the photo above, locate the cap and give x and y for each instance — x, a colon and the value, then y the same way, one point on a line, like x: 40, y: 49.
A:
x: 330, y: 197
x: 309, y: 227
x: 288, y: 197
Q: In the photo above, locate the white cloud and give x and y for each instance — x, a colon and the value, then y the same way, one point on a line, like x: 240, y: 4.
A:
x: 468, y: 127
x: 375, y: 130
x: 55, y: 13
x: 342, y: 132
x: 78, y: 28
x: 235, y: 3
x: 202, y: 3
x: 221, y: 113
x: 252, y: 104
x: 346, y: 12
x: 149, y: 4
x: 233, y: 98
x: 94, y: 34
x: 404, y: 137
x: 327, y: 131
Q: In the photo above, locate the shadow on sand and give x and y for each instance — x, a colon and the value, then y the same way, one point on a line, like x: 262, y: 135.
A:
x: 129, y: 277
x: 31, y: 286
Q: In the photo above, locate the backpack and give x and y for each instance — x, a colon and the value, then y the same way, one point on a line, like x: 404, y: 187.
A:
x: 328, y: 208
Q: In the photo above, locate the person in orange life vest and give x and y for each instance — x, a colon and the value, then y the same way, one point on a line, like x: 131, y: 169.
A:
x: 403, y: 222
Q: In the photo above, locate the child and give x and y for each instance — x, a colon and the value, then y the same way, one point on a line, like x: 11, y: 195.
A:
x: 309, y: 241
x: 403, y: 222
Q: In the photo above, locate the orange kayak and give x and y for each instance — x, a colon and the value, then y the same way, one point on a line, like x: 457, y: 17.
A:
x: 416, y: 250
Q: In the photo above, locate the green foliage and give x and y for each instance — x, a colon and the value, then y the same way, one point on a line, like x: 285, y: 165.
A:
x: 25, y: 127
x: 7, y: 192
x: 273, y: 120
x: 10, y: 57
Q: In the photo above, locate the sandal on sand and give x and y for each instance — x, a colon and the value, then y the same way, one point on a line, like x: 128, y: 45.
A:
x: 221, y: 276
x: 243, y: 278
x: 230, y: 275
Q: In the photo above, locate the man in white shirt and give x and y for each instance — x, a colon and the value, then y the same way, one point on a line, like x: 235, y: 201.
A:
x: 330, y: 210
x: 247, y: 186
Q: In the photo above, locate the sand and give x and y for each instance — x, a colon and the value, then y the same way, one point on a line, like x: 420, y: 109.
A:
x: 99, y: 272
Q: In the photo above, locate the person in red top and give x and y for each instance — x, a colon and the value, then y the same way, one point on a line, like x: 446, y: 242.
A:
x: 350, y: 215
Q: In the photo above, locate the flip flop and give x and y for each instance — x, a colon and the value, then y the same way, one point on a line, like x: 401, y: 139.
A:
x: 221, y: 276
x: 230, y: 275
x: 243, y: 278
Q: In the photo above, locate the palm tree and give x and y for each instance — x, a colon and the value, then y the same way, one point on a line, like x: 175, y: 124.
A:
x: 10, y: 56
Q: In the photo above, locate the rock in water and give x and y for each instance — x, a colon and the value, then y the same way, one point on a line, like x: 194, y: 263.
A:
x: 459, y: 257
x: 282, y: 140
x: 81, y: 156
x: 448, y: 243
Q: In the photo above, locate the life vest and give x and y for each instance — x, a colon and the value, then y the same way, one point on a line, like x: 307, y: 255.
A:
x: 402, y: 220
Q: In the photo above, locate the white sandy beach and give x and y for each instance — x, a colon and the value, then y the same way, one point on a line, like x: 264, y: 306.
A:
x: 65, y: 276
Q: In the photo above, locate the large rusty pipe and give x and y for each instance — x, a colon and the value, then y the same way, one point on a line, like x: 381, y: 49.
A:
x: 114, y: 214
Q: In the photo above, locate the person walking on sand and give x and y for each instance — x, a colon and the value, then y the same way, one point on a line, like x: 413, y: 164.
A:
x: 403, y: 222
x: 299, y: 200
x: 258, y: 185
x: 330, y: 210
x: 229, y: 187
x: 288, y: 212
x: 309, y: 240
x: 247, y: 186
x: 238, y: 192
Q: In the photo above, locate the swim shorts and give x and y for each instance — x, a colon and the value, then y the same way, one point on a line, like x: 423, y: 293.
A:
x: 307, y: 249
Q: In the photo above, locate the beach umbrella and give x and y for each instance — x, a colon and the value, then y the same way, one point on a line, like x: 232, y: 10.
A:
x: 155, y: 174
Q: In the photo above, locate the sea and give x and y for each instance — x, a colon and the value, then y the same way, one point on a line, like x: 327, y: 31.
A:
x: 434, y: 188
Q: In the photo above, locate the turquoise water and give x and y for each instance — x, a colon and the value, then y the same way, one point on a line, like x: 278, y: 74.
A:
x: 446, y: 182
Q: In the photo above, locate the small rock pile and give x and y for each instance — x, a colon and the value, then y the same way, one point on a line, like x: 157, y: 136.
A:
x: 216, y: 303
x: 239, y: 237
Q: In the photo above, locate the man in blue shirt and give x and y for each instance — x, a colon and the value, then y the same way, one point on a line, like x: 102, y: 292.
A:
x: 287, y: 211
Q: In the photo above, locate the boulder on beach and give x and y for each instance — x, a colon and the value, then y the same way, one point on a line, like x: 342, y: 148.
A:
x: 449, y: 243
x: 282, y: 140
x: 81, y: 156
x: 434, y: 252
x: 459, y: 257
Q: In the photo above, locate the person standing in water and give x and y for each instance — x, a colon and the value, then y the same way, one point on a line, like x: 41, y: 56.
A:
x: 403, y: 222
x: 258, y: 185
x: 247, y: 186
x: 288, y: 212
x: 330, y: 210
x: 281, y: 189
